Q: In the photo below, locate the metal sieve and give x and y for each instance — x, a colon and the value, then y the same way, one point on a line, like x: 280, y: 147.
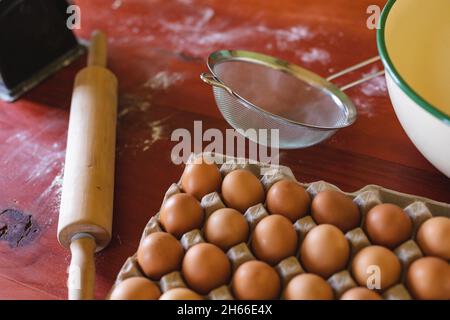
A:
x: 255, y: 91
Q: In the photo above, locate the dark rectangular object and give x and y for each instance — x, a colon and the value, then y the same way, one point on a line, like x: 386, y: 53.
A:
x: 34, y: 42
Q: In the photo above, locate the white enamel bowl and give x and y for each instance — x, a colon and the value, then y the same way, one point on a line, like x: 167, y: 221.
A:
x: 414, y: 44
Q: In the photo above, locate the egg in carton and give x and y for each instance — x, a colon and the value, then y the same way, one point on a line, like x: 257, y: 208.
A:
x: 419, y: 210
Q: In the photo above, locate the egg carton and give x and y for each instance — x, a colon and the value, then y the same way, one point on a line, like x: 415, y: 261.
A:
x: 419, y: 209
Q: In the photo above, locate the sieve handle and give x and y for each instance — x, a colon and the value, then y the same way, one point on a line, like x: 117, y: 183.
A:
x: 213, y: 81
x: 362, y: 80
x: 356, y: 67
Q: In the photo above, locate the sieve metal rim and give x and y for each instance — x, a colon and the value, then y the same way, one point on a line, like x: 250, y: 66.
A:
x: 222, y: 56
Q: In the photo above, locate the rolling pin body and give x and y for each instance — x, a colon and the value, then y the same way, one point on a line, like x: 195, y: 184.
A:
x: 87, y: 196
x: 88, y: 187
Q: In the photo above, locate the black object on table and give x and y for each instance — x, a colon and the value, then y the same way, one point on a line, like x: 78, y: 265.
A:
x: 35, y: 42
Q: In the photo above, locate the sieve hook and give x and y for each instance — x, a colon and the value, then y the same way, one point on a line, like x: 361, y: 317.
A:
x: 213, y: 81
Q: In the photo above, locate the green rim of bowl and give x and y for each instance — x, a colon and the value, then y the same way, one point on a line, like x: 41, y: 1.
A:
x: 395, y: 74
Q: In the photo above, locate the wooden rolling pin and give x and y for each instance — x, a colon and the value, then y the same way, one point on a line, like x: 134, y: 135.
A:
x: 85, y: 218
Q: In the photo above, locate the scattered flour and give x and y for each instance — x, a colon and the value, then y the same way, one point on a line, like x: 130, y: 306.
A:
x: 364, y: 107
x: 131, y: 104
x: 157, y: 129
x: 157, y: 132
x: 116, y: 4
x: 201, y: 30
x: 315, y: 55
x: 119, y: 239
x: 54, y: 190
x: 376, y: 87
x: 206, y: 16
x: 284, y: 38
x: 57, y: 182
x: 163, y: 80
x: 46, y: 160
x: 190, y: 23
x: 198, y: 32
x: 371, y: 89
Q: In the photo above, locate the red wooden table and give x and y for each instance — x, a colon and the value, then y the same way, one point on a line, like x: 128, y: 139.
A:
x: 157, y: 50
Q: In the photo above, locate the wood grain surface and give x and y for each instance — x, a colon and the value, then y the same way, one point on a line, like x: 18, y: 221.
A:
x: 157, y: 49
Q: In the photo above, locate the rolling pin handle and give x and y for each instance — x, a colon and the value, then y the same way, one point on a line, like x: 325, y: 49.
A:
x: 82, y: 267
x: 97, y: 55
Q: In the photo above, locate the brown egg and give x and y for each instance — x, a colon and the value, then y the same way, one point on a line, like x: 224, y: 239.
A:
x: 388, y: 225
x: 256, y: 280
x: 433, y: 237
x: 274, y: 239
x: 136, y: 288
x: 205, y: 267
x: 336, y: 208
x: 241, y: 189
x: 429, y: 279
x: 200, y: 178
x: 181, y: 213
x: 360, y: 293
x: 226, y: 228
x: 158, y: 254
x: 180, y: 294
x: 289, y: 199
x: 325, y: 250
x: 366, y: 263
x: 308, y: 286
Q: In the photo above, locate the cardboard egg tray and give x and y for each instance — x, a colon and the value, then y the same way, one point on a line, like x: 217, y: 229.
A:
x: 419, y: 209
